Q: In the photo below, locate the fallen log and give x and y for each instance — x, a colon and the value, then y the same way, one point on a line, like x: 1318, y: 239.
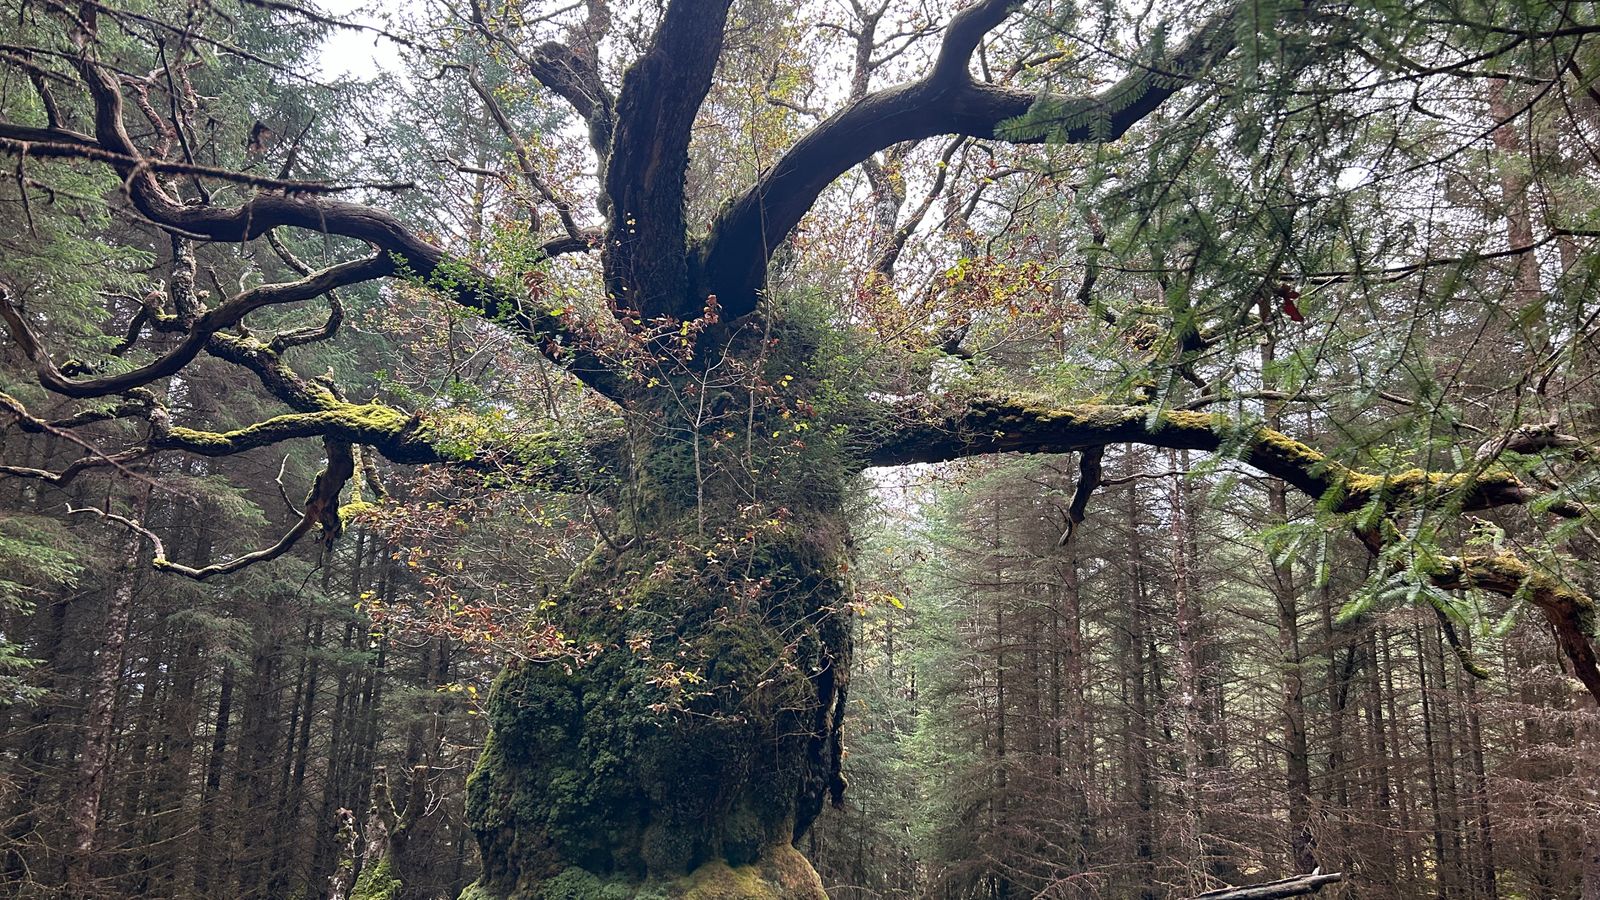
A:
x: 1297, y: 886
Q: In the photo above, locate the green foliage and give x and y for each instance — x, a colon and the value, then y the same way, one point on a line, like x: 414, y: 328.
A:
x: 38, y: 556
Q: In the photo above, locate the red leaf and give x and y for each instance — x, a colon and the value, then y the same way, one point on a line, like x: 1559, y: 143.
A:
x: 1288, y: 294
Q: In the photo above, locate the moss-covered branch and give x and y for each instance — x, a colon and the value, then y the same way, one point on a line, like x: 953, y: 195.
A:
x: 922, y: 433
x: 397, y: 436
x: 919, y: 433
x: 1570, y: 613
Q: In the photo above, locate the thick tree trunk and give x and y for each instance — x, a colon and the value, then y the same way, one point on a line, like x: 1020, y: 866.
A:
x: 697, y: 742
x: 693, y: 751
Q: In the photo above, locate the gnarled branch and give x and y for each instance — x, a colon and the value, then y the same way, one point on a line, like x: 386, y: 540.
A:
x: 321, y: 509
x: 207, y: 325
x: 557, y: 335
x: 732, y: 261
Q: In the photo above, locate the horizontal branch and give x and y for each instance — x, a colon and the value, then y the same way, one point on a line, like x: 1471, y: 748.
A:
x: 549, y: 459
x: 986, y: 425
x: 1296, y: 886
x: 918, y: 433
x: 399, y: 437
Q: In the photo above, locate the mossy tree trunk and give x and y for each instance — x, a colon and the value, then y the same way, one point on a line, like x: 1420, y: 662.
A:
x: 706, y: 734
x: 695, y: 734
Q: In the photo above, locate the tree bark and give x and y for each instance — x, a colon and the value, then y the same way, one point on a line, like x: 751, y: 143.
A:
x: 703, y: 742
x: 1192, y: 834
x: 1297, y: 886
x: 83, y: 804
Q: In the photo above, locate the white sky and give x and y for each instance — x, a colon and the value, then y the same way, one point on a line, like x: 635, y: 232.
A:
x: 352, y: 53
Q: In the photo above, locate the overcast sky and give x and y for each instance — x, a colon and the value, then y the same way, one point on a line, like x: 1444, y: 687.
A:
x: 348, y: 51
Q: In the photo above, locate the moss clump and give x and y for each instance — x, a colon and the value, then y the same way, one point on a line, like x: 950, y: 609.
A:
x: 351, y: 511
x: 377, y: 882
x: 782, y: 874
x: 576, y: 884
x: 1419, y: 485
x: 716, y: 880
x: 476, y: 891
x: 707, y: 732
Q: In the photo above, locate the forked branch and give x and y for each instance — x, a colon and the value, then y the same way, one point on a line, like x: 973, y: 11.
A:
x: 732, y: 261
x: 321, y: 509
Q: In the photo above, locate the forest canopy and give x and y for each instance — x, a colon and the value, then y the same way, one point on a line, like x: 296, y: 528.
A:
x: 698, y: 448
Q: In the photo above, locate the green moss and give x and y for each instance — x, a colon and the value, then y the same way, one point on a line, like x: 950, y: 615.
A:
x: 716, y: 880
x: 782, y: 874
x: 349, y: 511
x: 371, y: 423
x: 1543, y: 589
x: 1291, y: 451
x: 790, y: 870
x: 1416, y: 485
x: 572, y: 884
x: 712, y: 744
x: 1193, y: 421
x: 377, y: 882
x: 476, y: 891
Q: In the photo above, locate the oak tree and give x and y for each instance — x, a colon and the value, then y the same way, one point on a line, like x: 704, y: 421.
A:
x: 715, y: 412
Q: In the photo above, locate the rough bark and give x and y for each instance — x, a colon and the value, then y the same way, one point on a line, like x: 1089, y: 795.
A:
x: 647, y: 269
x: 94, y: 758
